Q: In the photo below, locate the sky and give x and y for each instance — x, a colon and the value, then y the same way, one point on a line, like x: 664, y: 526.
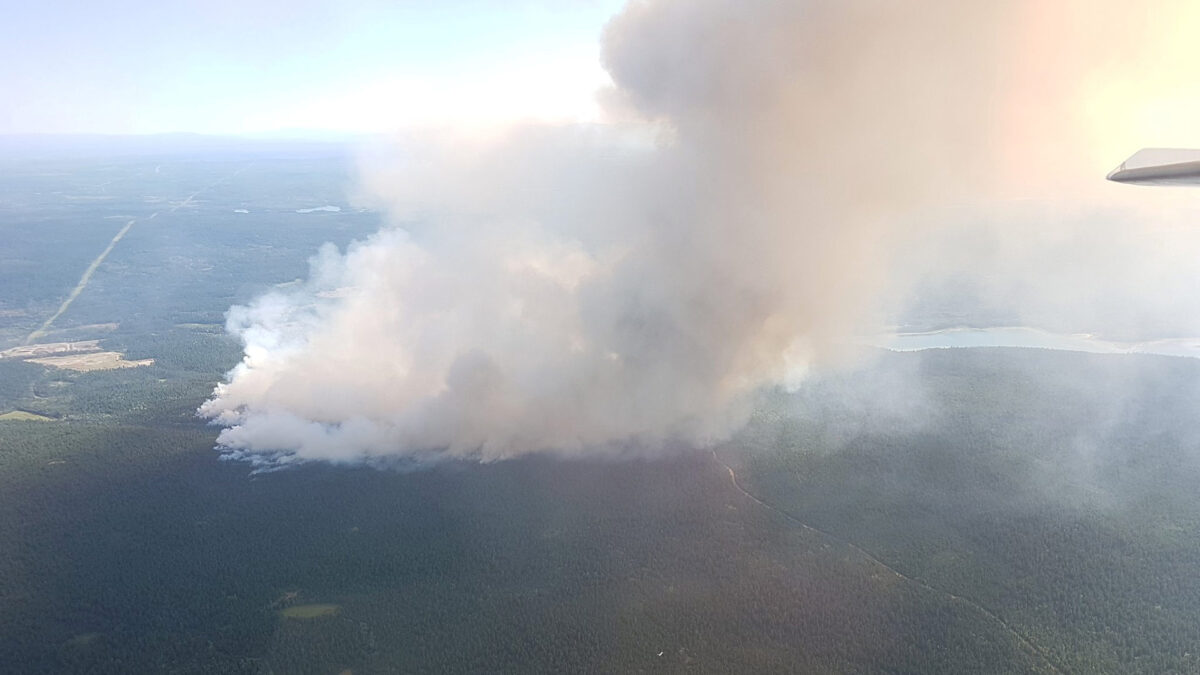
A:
x: 263, y: 66
x: 237, y: 66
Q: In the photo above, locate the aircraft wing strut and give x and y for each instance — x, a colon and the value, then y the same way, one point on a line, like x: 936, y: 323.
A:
x: 1159, y: 166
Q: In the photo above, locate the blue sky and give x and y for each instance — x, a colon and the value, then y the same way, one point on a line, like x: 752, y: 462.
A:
x: 223, y: 66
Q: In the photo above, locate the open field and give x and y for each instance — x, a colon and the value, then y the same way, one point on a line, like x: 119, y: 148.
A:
x: 22, y: 416
x: 310, y: 611
x: 91, y: 361
x: 50, y: 349
x: 83, y: 639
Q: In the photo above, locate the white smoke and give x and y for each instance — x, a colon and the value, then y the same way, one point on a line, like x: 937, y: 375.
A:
x: 622, y: 286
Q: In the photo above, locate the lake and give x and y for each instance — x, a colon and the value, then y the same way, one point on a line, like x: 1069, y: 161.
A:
x: 1020, y: 336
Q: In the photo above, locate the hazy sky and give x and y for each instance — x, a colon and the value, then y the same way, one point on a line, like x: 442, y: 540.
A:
x: 234, y: 66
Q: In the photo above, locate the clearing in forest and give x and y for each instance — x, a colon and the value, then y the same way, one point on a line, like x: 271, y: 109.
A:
x: 23, y: 416
x: 50, y: 349
x: 310, y: 611
x: 91, y: 361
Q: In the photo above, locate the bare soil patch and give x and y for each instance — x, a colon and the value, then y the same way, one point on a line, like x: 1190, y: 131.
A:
x: 91, y: 361
x: 50, y: 349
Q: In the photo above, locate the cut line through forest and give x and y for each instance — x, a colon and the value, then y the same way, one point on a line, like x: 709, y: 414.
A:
x: 1021, y: 639
x: 91, y: 269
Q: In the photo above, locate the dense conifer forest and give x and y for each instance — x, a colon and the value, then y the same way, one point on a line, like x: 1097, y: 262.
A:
x: 948, y: 511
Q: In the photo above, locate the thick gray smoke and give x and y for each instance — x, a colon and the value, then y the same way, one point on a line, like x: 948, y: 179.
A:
x: 627, y: 285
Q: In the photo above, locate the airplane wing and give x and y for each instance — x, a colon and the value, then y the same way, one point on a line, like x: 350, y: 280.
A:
x: 1159, y: 166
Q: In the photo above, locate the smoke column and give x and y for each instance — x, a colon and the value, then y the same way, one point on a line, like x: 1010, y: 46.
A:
x: 618, y: 287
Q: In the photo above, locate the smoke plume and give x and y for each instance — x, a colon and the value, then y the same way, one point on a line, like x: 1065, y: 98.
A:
x: 623, y: 286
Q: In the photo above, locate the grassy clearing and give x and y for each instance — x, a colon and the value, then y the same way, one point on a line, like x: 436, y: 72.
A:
x: 92, y: 361
x: 203, y: 327
x: 43, y: 349
x: 310, y: 611
x: 22, y: 416
x: 83, y: 639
